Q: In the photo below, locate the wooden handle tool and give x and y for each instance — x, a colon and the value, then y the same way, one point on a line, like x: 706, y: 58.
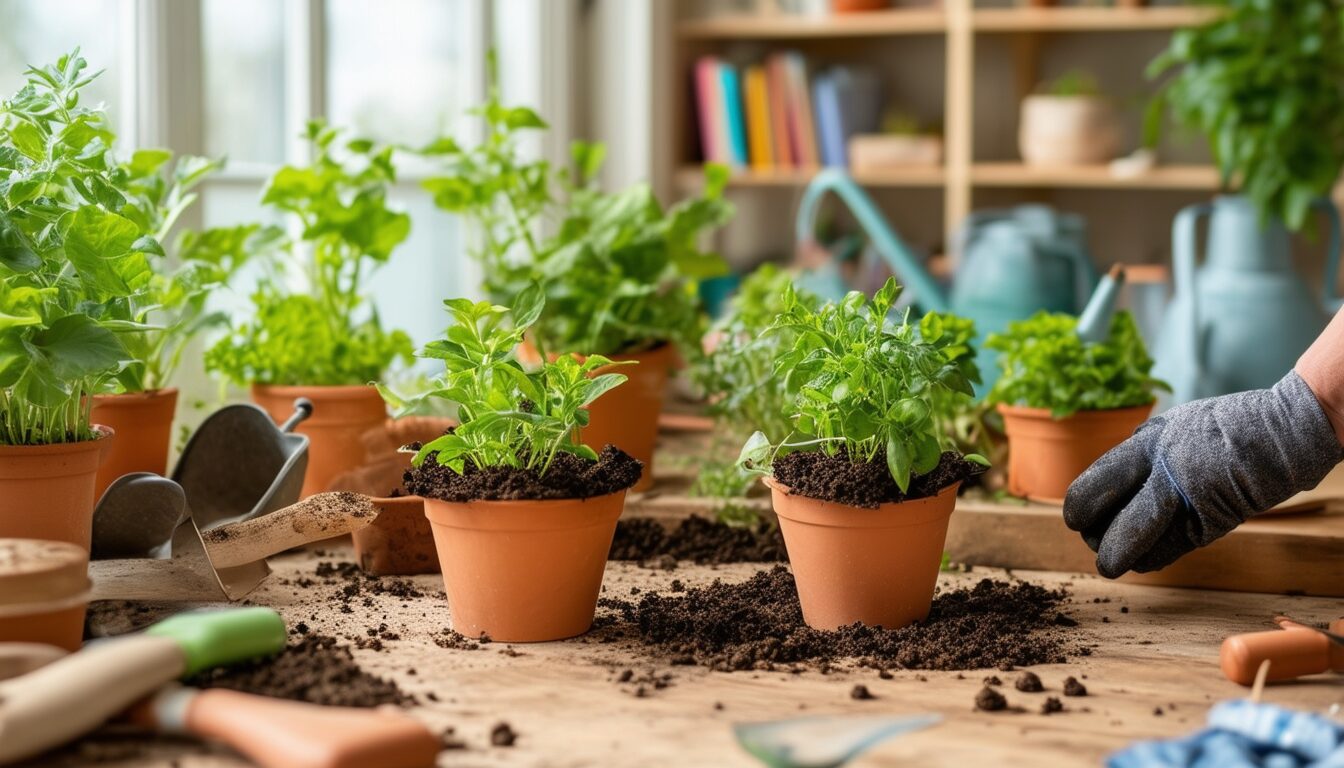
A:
x: 320, y: 516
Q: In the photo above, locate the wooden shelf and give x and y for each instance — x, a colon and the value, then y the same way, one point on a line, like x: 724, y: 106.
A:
x: 898, y: 21
x: 692, y: 176
x: 1080, y: 19
x: 1192, y: 177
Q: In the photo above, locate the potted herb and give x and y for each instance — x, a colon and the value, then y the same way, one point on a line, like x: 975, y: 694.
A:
x: 1066, y: 401
x: 1068, y: 122
x: 324, y: 342
x: 67, y: 258
x: 170, y: 312
x: 523, y: 513
x: 620, y: 272
x: 903, y: 143
x: 864, y: 485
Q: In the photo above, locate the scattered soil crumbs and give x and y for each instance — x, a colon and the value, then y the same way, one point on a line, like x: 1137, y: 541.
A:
x: 990, y: 700
x: 758, y: 624
x: 569, y: 477
x: 503, y: 735
x: 865, y: 483
x: 861, y: 693
x: 315, y: 670
x: 1029, y: 682
x: 704, y: 541
x: 1052, y: 704
x: 1074, y: 688
x: 643, y: 685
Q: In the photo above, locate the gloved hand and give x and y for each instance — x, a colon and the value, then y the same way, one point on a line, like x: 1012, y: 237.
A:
x: 1199, y: 470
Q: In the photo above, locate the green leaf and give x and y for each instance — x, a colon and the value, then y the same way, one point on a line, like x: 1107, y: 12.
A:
x: 600, y: 385
x: 899, y: 463
x: 145, y: 162
x: 101, y: 246
x: 755, y: 455
x: 75, y: 347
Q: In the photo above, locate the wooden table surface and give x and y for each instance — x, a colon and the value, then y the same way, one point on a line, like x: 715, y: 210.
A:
x: 564, y: 701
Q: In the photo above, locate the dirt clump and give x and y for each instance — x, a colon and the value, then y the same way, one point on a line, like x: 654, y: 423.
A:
x: 1052, y: 705
x: 860, y: 692
x: 316, y: 670
x: 1074, y: 688
x: 1029, y: 682
x: 569, y: 477
x: 838, y: 478
x: 503, y: 735
x: 990, y: 700
x: 703, y: 541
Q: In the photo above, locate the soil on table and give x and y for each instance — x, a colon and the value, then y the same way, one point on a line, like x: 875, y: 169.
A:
x: 569, y: 477
x: 758, y: 624
x: 704, y: 541
x: 837, y: 478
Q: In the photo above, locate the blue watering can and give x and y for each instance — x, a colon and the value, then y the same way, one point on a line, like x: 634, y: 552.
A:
x: 1240, y: 320
x: 1013, y: 263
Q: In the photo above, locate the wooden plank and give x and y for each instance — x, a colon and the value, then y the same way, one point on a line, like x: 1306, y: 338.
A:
x: 691, y: 177
x: 1013, y: 174
x: 958, y: 118
x: 897, y: 21
x: 1085, y: 19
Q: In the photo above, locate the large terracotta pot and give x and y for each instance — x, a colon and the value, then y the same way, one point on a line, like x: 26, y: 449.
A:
x: 1067, y: 130
x: 627, y: 416
x: 341, y: 416
x: 1045, y: 455
x: 399, y: 541
x: 46, y: 491
x: 524, y: 571
x: 143, y: 422
x: 876, y: 566
x: 44, y: 591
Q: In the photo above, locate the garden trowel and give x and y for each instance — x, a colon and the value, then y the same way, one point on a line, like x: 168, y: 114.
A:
x: 823, y: 741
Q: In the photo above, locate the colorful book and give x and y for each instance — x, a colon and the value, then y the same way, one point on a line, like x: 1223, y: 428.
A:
x: 829, y: 120
x: 732, y: 110
x: 709, y: 108
x: 780, y: 131
x: 760, y: 141
x: 801, y: 127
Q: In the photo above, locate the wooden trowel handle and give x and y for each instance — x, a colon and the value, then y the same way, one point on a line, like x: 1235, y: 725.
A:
x: 320, y: 516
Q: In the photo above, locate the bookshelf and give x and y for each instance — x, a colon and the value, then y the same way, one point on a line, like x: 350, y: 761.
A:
x: 987, y: 58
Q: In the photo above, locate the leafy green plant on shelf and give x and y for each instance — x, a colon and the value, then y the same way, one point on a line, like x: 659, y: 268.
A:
x: 70, y: 261
x: 1045, y: 364
x: 508, y: 416
x: 1262, y: 82
x: 867, y: 385
x: 619, y: 271
x: 327, y: 333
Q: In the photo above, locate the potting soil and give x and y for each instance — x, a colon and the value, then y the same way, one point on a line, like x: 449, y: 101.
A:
x: 569, y: 477
x: 703, y: 541
x: 838, y: 478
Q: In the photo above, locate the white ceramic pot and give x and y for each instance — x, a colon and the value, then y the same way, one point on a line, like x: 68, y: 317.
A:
x: 1067, y: 130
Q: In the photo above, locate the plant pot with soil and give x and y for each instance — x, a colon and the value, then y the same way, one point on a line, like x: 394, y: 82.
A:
x: 620, y: 273
x: 1068, y: 123
x: 1066, y: 401
x: 326, y: 344
x: 523, y: 514
x: 864, y: 484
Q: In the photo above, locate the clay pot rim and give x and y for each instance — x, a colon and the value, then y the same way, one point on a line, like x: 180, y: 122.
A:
x: 325, y: 391
x: 48, y: 449
x: 57, y: 580
x: 1044, y: 414
x: 517, y: 514
x: 888, y: 507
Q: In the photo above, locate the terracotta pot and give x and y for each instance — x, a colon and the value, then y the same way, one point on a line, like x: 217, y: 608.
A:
x: 524, y: 571
x: 399, y: 542
x: 1067, y: 130
x: 341, y: 416
x: 143, y: 422
x: 46, y: 491
x: 1045, y: 455
x: 44, y: 591
x: 878, y: 566
x: 857, y: 6
x: 627, y: 416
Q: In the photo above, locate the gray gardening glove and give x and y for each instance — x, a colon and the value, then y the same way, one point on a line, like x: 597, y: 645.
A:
x: 1199, y: 470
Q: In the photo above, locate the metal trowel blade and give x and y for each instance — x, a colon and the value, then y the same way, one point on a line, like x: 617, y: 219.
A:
x: 823, y: 741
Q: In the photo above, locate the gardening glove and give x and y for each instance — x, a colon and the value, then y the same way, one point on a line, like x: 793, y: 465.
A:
x: 1199, y: 470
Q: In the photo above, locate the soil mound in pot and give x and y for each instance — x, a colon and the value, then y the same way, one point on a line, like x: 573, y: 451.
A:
x: 569, y: 477
x: 837, y: 478
x: 704, y: 541
x: 758, y: 623
x: 315, y: 670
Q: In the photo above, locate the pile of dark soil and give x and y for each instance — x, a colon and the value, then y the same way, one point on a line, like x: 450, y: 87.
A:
x: 758, y: 624
x: 863, y: 483
x: 706, y: 542
x: 569, y: 477
x: 315, y: 670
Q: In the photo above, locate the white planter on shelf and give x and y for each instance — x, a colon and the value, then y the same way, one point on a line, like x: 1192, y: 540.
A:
x: 1067, y: 130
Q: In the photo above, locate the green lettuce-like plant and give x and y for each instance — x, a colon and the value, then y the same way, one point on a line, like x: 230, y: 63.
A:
x: 72, y: 257
x: 619, y: 271
x: 1264, y: 82
x: 508, y: 416
x: 1045, y: 364
x: 327, y: 334
x: 867, y: 385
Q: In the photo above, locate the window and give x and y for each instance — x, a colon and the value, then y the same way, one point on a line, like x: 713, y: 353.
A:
x: 39, y: 31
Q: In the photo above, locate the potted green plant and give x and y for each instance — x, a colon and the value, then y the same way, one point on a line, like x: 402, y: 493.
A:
x: 620, y: 272
x: 523, y: 513
x: 902, y: 143
x: 68, y: 257
x: 325, y: 341
x: 864, y: 485
x: 1068, y: 122
x: 172, y: 309
x: 1066, y: 401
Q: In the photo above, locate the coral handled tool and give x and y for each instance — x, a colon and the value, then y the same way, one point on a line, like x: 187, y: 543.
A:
x: 1295, y: 650
x: 74, y: 695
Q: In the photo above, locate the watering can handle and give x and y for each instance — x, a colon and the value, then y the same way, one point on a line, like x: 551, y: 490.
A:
x: 1184, y: 259
x: 303, y: 408
x: 1333, y: 244
x: 898, y: 256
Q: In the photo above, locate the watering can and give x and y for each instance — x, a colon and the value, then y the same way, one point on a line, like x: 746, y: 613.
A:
x: 1014, y: 263
x: 1241, y: 319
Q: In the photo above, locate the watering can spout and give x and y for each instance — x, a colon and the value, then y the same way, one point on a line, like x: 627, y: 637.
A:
x: 903, y: 262
x: 1094, y: 325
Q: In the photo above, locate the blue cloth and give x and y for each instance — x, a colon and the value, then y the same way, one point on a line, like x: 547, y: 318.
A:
x: 1243, y: 734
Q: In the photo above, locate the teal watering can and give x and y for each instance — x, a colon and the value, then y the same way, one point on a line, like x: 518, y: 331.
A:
x: 1240, y: 320
x: 1014, y: 263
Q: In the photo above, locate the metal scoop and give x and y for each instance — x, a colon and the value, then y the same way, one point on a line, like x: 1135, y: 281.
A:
x: 823, y: 741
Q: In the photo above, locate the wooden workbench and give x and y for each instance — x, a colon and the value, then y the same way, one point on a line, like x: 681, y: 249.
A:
x: 568, y: 709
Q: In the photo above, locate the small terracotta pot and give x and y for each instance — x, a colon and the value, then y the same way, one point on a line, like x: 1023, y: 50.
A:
x: 341, y: 416
x: 46, y: 491
x: 876, y: 566
x: 44, y: 591
x: 399, y: 542
x: 143, y: 422
x: 524, y: 571
x: 1046, y: 455
x: 627, y: 416
x: 857, y: 6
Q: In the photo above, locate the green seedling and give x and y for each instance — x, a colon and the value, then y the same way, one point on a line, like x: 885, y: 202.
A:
x: 1074, y: 83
